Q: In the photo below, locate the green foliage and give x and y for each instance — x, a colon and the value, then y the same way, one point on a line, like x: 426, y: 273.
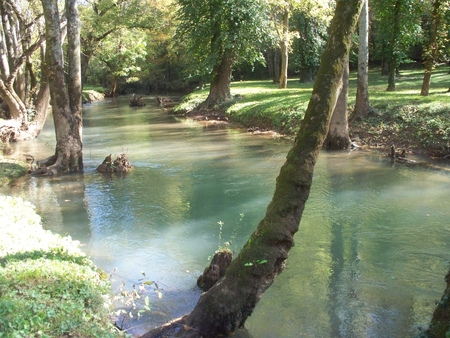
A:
x: 396, y: 27
x: 48, y: 287
x: 311, y: 26
x: 209, y: 28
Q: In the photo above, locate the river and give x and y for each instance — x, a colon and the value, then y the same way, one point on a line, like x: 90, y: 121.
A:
x: 370, y: 256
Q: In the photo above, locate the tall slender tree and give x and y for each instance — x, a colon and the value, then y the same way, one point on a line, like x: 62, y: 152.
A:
x: 338, y: 137
x: 227, y: 305
x: 432, y: 47
x: 397, y: 29
x: 65, y: 90
x: 362, y: 105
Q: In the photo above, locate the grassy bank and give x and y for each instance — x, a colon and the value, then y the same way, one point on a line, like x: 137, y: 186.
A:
x: 48, y: 287
x: 403, y: 118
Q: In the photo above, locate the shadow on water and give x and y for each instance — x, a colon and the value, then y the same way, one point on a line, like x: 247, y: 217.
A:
x: 371, y: 252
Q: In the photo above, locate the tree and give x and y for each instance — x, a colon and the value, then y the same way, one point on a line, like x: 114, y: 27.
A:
x: 101, y: 18
x: 20, y: 37
x: 282, y: 10
x: 431, y: 51
x: 120, y: 55
x: 338, y: 137
x: 397, y: 29
x: 362, y: 105
x: 226, y: 306
x: 285, y: 44
x: 65, y: 91
x: 311, y: 22
x: 220, y: 34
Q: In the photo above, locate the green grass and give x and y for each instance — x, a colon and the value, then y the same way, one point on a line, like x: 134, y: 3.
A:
x: 403, y: 117
x: 48, y: 287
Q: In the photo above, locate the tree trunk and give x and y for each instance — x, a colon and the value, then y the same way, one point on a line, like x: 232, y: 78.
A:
x: 284, y: 44
x: 362, y: 106
x: 226, y: 306
x: 432, y: 48
x: 338, y: 137
x: 391, y: 75
x: 68, y: 156
x: 440, y: 321
x: 393, y: 47
x: 219, y: 90
x: 276, y: 65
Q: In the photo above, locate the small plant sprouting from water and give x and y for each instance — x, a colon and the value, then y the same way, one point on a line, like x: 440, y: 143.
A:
x: 227, y: 244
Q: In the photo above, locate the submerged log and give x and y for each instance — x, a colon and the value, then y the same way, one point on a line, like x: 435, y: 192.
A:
x: 216, y: 270
x: 119, y: 165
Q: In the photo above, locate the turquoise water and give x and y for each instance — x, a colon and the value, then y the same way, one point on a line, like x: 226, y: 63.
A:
x: 370, y: 256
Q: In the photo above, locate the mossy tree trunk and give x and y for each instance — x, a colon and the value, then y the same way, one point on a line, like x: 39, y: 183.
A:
x: 227, y: 305
x: 440, y: 322
x: 65, y: 92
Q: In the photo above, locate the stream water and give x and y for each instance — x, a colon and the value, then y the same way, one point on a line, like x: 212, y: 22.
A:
x: 370, y: 256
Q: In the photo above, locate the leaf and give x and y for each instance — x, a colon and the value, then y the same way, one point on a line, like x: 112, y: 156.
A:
x: 248, y: 264
x: 262, y: 261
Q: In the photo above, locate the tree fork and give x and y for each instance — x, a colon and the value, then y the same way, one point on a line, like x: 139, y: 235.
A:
x: 227, y: 305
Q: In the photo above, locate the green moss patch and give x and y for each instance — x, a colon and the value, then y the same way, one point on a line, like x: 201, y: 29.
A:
x: 10, y: 170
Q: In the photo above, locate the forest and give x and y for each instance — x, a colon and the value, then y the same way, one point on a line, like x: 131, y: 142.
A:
x: 51, y: 51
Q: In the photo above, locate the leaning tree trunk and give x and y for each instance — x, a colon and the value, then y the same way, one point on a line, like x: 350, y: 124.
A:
x: 362, y: 105
x: 219, y: 90
x: 284, y: 51
x: 440, y: 321
x: 226, y: 306
x: 68, y: 156
x: 338, y: 137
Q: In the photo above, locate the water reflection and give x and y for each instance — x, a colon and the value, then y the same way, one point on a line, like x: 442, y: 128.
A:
x: 371, y: 251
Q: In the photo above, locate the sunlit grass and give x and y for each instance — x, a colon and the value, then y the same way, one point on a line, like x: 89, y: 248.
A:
x: 261, y: 104
x: 48, y: 287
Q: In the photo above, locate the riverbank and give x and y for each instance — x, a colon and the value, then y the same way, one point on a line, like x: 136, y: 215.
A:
x: 403, y: 119
x: 49, y: 287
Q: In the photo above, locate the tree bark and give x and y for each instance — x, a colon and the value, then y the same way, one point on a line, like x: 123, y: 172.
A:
x: 338, y: 137
x: 284, y: 45
x: 68, y: 156
x: 276, y: 65
x: 362, y: 105
x: 432, y: 48
x: 226, y: 306
x: 440, y: 321
x: 219, y: 91
x: 393, y: 58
